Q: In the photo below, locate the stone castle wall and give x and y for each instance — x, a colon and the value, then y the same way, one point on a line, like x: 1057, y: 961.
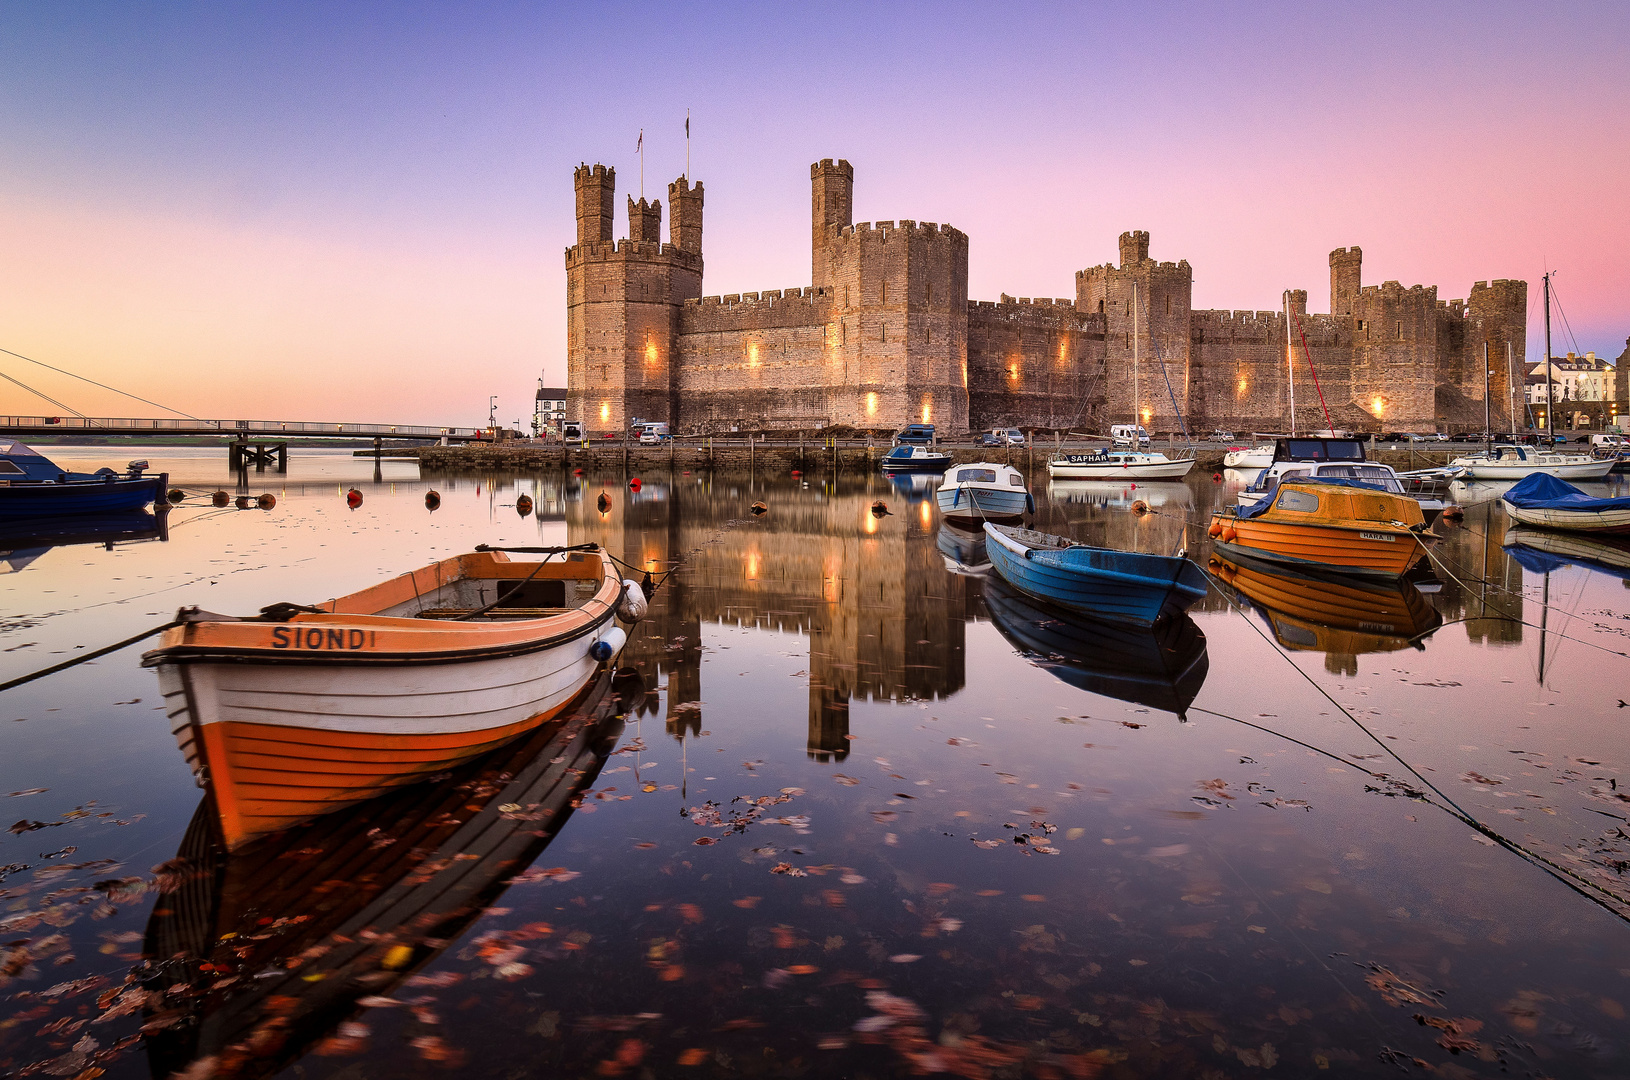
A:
x: 886, y: 335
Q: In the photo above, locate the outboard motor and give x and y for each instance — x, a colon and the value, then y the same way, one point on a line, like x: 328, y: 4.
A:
x: 136, y: 468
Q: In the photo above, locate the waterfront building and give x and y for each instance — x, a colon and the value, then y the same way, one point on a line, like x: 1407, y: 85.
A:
x: 885, y: 335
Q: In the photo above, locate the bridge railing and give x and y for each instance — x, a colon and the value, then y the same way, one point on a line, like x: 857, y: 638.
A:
x: 230, y: 427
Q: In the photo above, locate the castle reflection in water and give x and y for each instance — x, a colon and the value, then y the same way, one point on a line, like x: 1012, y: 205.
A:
x: 884, y: 616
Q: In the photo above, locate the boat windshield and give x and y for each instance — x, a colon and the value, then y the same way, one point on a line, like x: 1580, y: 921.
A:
x: 1376, y: 475
x: 976, y: 476
x: 1319, y: 450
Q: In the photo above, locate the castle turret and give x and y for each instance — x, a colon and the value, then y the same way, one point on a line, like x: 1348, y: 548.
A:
x: 1345, y: 279
x: 645, y: 220
x: 596, y: 191
x: 685, y: 215
x: 832, y: 202
x: 1134, y: 248
x: 1298, y: 301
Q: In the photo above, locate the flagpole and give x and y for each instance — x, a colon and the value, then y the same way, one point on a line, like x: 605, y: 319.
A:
x: 641, y: 148
x: 687, y: 146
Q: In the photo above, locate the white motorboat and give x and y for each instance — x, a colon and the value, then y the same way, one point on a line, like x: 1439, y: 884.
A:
x: 1249, y: 457
x: 982, y: 490
x: 1118, y: 465
x: 1515, y: 462
x: 1337, y: 458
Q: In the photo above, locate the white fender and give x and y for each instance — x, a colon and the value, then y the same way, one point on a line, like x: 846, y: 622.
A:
x: 610, y: 644
x: 633, y: 607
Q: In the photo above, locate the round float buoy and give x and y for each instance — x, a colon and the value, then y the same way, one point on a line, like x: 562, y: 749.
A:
x: 634, y: 484
x: 577, y: 472
x: 797, y: 472
x: 1140, y: 508
x: 241, y: 502
x: 880, y: 508
x: 353, y: 498
x: 176, y: 495
x: 220, y: 498
x: 523, y: 505
x: 1229, y: 534
x: 759, y: 508
x: 1216, y: 478
x: 266, y: 501
x: 1134, y: 487
x: 432, y: 500
x: 1215, y: 530
x: 603, y: 502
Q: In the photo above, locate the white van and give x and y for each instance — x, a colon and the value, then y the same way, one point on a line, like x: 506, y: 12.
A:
x: 1127, y: 434
x: 654, y: 434
x: 1609, y: 442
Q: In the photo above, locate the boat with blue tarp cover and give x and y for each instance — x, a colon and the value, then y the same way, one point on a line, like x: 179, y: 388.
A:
x: 1543, y: 500
x: 32, y: 485
x: 911, y: 458
x: 984, y: 489
x: 1162, y: 666
x: 1128, y: 586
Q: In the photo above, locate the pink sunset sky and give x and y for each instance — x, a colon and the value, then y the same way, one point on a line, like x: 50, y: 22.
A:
x: 358, y: 212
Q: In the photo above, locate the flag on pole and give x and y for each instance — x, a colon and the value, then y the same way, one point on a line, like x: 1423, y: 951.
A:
x: 640, y: 143
x: 687, y: 125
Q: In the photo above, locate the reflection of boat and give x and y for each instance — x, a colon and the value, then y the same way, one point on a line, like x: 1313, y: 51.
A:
x: 914, y: 487
x: 33, y: 485
x: 964, y: 551
x: 1539, y: 550
x: 1249, y: 457
x: 26, y: 539
x: 1162, y: 666
x: 1340, y: 525
x: 1119, y: 494
x: 1332, y: 612
x: 282, y: 938
x: 906, y: 458
x: 1550, y: 503
x: 1118, y: 465
x: 1101, y: 582
x: 984, y: 489
x: 302, y: 711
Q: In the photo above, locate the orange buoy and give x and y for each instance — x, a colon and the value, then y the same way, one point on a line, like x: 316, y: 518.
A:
x: 523, y: 505
x: 604, y: 502
x: 577, y: 472
x: 1452, y: 513
x: 796, y: 472
x: 1216, y: 478
x: 241, y: 502
x: 1140, y: 508
x: 880, y: 508
x: 266, y: 501
x: 220, y: 498
x: 353, y: 498
x: 759, y: 509
x: 1229, y: 534
x: 176, y: 495
x: 1215, y: 530
x: 432, y: 500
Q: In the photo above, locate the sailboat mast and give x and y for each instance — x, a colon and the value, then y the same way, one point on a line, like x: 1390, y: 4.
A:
x: 1550, y: 423
x: 1511, y: 389
x: 1290, y: 362
x: 1137, y: 412
x: 1488, y: 433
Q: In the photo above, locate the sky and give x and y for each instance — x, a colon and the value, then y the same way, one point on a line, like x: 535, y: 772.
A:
x: 358, y: 212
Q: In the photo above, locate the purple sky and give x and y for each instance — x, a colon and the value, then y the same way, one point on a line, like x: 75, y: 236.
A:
x: 358, y: 211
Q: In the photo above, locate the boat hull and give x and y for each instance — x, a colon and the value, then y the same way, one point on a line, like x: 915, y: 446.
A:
x: 1581, y: 470
x: 1605, y: 522
x: 918, y: 465
x: 1170, y: 470
x: 1367, y: 552
x: 1119, y: 585
x: 970, y: 503
x: 1331, y: 612
x: 81, y: 497
x: 1255, y: 458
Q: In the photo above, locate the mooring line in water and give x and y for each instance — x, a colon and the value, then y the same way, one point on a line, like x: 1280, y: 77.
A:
x: 66, y: 664
x: 1572, y: 880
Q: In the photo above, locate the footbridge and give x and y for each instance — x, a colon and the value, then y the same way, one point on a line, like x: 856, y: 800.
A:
x: 31, y: 427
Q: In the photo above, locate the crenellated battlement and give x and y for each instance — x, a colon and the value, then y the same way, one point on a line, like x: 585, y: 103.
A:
x: 631, y: 251
x: 597, y: 173
x: 886, y: 231
x: 767, y: 298
x: 827, y: 165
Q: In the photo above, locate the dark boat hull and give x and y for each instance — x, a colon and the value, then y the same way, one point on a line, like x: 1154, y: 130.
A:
x: 81, y: 497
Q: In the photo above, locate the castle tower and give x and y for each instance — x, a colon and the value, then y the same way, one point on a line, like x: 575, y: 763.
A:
x: 832, y: 203
x: 1496, y: 315
x: 645, y: 220
x: 1162, y: 293
x: 596, y: 191
x: 685, y: 215
x: 622, y: 307
x: 1345, y: 279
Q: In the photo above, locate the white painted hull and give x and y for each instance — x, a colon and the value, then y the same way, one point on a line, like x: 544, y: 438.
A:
x: 1477, y: 469
x: 1169, y: 470
x: 1259, y: 457
x: 1596, y: 521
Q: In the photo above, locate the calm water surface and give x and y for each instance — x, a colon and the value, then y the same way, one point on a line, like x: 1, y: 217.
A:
x: 871, y: 814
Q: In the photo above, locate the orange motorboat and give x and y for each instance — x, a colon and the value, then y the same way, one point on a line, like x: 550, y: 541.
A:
x: 1334, y: 524
x: 303, y: 710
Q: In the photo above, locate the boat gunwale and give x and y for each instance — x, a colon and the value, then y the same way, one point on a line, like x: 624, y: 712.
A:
x: 1016, y: 547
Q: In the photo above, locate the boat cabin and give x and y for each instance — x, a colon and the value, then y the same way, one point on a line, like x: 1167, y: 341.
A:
x: 1318, y: 449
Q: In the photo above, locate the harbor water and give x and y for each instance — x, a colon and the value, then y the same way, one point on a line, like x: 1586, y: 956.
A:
x: 861, y: 810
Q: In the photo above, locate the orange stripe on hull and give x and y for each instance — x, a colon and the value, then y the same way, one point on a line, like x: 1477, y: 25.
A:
x: 309, y: 771
x: 1331, y: 547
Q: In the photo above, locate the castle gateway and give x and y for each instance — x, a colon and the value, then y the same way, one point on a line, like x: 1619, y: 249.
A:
x: 885, y: 335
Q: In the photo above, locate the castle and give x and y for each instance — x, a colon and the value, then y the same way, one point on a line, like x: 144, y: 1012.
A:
x: 885, y: 335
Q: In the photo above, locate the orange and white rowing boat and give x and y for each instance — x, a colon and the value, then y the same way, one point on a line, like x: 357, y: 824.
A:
x: 1330, y: 523
x: 304, y: 710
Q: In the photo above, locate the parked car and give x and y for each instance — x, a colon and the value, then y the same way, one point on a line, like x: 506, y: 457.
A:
x: 989, y: 438
x: 916, y: 435
x: 1222, y: 436
x: 1008, y: 436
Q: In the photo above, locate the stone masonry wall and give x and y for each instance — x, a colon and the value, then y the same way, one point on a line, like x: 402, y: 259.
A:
x: 1035, y: 364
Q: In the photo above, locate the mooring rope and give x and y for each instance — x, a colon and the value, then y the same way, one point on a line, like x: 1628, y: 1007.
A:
x: 66, y: 664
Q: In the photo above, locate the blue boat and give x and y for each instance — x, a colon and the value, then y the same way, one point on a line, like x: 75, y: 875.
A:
x: 984, y: 489
x: 32, y: 485
x: 1162, y: 666
x: 908, y: 458
x: 1126, y: 586
x: 22, y: 540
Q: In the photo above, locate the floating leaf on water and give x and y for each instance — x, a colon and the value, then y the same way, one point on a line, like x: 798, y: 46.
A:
x: 904, y: 958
